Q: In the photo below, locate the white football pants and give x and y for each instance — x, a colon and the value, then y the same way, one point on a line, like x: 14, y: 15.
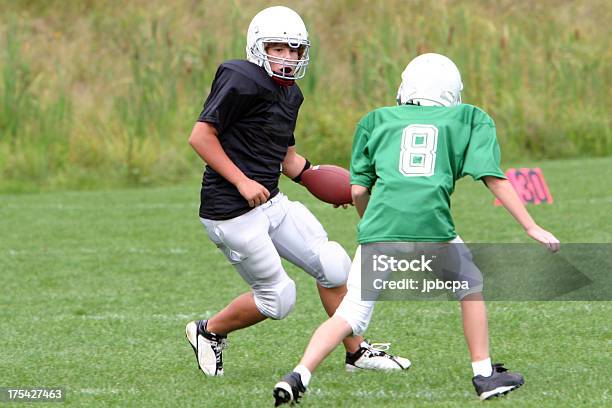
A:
x: 254, y: 243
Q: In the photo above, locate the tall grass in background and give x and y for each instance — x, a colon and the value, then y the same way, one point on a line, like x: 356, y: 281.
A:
x: 33, y: 133
x: 94, y: 94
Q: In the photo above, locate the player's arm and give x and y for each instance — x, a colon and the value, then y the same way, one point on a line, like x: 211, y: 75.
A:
x: 361, y: 197
x: 362, y: 169
x: 294, y: 164
x: 505, y: 193
x: 205, y: 142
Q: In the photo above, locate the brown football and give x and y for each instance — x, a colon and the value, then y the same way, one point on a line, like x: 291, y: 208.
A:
x: 328, y: 183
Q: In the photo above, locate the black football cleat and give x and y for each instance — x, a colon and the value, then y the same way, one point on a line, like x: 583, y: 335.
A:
x: 499, y: 383
x: 289, y: 390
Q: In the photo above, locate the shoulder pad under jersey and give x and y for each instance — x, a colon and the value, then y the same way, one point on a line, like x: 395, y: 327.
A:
x: 249, y: 70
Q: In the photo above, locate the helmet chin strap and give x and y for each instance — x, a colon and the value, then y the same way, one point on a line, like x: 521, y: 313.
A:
x: 283, y: 81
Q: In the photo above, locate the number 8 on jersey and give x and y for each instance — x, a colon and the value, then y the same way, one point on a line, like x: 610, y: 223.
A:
x: 418, y: 155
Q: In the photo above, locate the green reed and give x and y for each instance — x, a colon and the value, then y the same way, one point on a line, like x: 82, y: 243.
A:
x: 97, y: 94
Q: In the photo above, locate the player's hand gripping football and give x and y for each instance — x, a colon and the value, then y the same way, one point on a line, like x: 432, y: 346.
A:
x: 253, y: 192
x: 345, y: 206
x: 544, y: 237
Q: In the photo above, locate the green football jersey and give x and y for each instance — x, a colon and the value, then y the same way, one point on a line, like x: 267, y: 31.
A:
x: 412, y: 156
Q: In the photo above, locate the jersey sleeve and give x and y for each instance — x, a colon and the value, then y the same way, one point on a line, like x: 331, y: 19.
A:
x: 482, y: 156
x: 228, y: 100
x: 362, y: 166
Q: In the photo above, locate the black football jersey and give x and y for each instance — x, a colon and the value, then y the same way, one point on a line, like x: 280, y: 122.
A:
x: 255, y: 119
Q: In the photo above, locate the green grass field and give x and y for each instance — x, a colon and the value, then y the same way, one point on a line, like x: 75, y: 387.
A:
x: 97, y: 288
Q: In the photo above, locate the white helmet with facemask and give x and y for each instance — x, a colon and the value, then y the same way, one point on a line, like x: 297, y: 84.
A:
x: 430, y: 80
x: 278, y: 25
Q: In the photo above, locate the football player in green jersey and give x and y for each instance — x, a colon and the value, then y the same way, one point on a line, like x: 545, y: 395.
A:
x: 413, y: 153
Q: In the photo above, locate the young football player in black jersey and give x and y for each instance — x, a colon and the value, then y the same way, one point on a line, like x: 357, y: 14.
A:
x: 245, y: 136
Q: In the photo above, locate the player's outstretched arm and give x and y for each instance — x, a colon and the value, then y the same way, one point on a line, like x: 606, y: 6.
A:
x: 205, y: 142
x: 503, y: 190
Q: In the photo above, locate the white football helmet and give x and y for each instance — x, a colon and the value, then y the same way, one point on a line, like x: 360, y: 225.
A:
x: 430, y: 80
x: 278, y: 25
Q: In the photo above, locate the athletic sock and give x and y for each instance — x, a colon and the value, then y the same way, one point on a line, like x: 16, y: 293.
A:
x: 482, y: 368
x: 203, y: 325
x: 304, y: 374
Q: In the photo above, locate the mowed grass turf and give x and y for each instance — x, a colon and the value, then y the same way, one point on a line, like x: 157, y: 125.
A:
x: 98, y: 286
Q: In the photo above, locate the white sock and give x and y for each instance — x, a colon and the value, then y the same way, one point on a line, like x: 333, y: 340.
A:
x: 304, y: 374
x: 482, y: 367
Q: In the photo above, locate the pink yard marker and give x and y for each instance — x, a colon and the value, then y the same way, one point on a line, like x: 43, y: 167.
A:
x: 529, y: 185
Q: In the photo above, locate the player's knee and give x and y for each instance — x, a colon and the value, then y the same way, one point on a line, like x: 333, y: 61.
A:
x: 276, y: 301
x: 356, y: 313
x: 335, y: 265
